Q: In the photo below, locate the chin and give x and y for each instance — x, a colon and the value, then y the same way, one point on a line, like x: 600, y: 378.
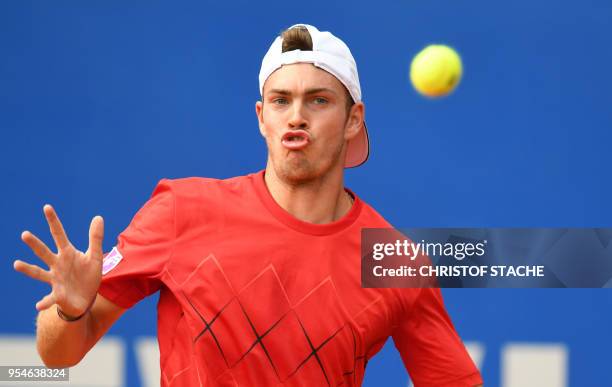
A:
x: 300, y: 170
x: 296, y: 170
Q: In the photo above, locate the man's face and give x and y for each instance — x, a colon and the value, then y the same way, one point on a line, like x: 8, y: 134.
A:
x: 304, y: 119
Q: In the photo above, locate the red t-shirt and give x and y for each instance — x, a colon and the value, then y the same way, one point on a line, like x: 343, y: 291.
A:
x: 250, y: 295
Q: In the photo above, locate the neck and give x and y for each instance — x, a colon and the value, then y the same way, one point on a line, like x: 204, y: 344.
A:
x: 319, y: 201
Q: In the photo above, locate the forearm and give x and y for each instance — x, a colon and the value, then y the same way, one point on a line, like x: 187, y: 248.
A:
x: 61, y: 343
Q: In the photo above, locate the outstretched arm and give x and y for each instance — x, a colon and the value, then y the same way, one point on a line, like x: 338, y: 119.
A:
x: 74, y: 277
x: 429, y: 345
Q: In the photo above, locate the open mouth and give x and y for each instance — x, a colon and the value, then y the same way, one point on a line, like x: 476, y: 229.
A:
x: 295, y: 139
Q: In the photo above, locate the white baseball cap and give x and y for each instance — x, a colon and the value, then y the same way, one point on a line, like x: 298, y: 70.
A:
x: 332, y: 55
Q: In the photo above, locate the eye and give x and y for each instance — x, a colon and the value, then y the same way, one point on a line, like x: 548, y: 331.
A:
x: 320, y: 100
x: 279, y: 101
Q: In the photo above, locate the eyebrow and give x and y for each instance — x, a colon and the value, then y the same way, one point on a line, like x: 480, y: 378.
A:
x: 308, y: 92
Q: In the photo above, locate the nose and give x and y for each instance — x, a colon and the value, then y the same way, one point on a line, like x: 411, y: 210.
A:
x: 297, y: 120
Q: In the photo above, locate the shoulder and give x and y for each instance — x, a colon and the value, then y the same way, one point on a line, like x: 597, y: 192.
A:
x: 199, y: 188
x: 202, y: 199
x: 371, y: 218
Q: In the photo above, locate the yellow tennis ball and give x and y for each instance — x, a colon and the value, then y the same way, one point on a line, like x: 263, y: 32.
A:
x: 436, y: 70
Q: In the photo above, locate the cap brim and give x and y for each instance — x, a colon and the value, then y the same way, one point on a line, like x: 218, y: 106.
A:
x: 358, y: 149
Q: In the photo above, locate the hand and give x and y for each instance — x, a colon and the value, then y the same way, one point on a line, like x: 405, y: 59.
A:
x: 74, y: 276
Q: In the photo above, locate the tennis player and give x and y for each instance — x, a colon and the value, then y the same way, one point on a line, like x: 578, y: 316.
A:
x: 258, y: 275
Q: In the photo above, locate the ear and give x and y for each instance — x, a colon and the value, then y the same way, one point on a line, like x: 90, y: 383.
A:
x: 354, y: 122
x: 259, y: 112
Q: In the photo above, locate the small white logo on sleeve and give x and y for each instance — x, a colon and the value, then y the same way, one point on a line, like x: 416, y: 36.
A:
x: 111, y: 260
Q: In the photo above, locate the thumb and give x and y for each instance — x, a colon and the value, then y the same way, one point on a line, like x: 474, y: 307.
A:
x: 96, y: 235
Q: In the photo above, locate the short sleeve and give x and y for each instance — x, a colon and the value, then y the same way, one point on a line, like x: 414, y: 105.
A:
x: 144, y: 247
x: 430, y: 348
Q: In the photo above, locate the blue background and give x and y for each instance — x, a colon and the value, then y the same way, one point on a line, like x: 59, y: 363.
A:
x: 101, y: 99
